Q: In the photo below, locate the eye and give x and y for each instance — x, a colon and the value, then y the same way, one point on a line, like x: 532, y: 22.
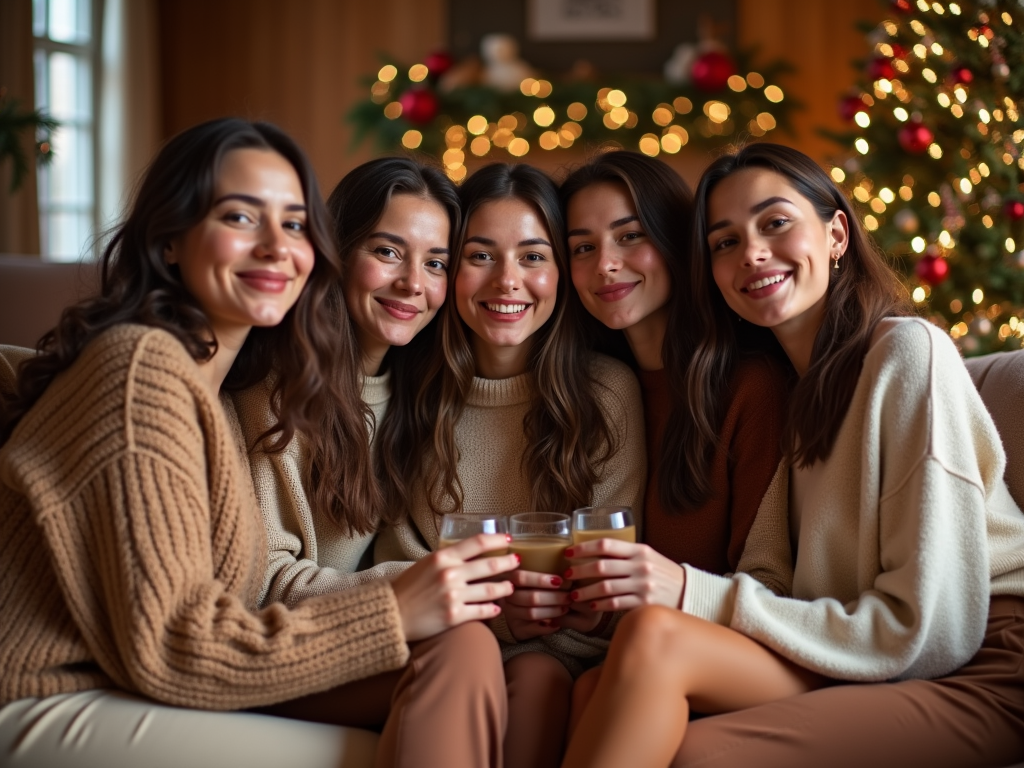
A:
x: 437, y: 265
x: 582, y: 249
x: 629, y: 236
x: 479, y: 256
x: 239, y: 217
x: 723, y: 243
x: 776, y: 221
x: 535, y: 258
x: 295, y: 225
x: 386, y: 251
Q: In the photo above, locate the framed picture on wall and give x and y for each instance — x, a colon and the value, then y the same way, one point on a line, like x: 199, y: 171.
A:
x: 550, y: 20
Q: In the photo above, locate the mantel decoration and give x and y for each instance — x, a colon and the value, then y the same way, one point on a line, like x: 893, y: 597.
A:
x: 15, y: 121
x: 499, y: 106
x: 935, y: 161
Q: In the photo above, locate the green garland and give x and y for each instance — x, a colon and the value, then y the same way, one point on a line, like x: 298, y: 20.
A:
x: 13, y: 123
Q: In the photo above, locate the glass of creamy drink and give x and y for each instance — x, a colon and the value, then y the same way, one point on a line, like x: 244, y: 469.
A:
x: 591, y: 523
x: 540, y: 539
x: 456, y: 527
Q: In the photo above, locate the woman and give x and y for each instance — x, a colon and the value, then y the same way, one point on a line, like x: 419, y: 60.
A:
x: 517, y: 417
x: 132, y: 548
x: 393, y: 219
x: 628, y: 218
x: 897, y: 536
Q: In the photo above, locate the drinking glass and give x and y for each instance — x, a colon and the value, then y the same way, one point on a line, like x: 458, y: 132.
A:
x: 456, y: 527
x: 591, y: 523
x: 540, y: 539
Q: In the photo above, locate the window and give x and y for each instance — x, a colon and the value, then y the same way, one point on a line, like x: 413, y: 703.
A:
x: 66, y: 62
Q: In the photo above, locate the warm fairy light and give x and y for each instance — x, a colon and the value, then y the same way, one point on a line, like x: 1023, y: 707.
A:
x: 632, y: 119
x: 412, y: 139
x: 965, y: 186
x: 923, y: 6
x: 972, y: 33
x: 918, y: 27
x: 936, y: 49
x: 679, y: 132
x: 737, y: 83
x: 1011, y: 246
x: 544, y: 116
x: 616, y: 98
x: 619, y: 114
x: 885, y: 49
x: 975, y: 176
x: 387, y: 73
x: 502, y: 137
x: 650, y: 145
x: 987, y: 221
x: 955, y: 306
x: 861, y: 194
x: 917, y: 244
x: 890, y: 27
x: 453, y: 158
x: 573, y: 129
x: 1007, y: 19
x: 576, y: 111
x: 945, y: 239
x: 983, y: 41
x: 906, y: 193
x: 671, y: 143
x: 379, y: 92
x: 900, y: 114
x: 886, y: 194
x: 954, y: 9
x: 984, y: 115
x: 958, y: 330
x: 544, y: 89
x: 683, y: 105
x: 773, y: 93
x: 755, y: 80
x: 457, y: 173
x: 477, y: 124
x: 838, y: 175
x: 943, y: 99
x: 918, y: 295
x: 870, y: 223
x: 883, y: 85
x: 997, y: 114
x: 418, y: 73
x: 957, y: 110
x: 526, y: 86
x: 548, y: 140
x: 609, y: 122
x: 920, y: 51
x: 717, y: 111
x: 929, y: 75
x: 393, y: 110
x: 455, y: 137
x: 508, y: 122
x: 978, y: 296
x: 934, y: 200
x: 862, y: 119
x: 878, y: 206
x: 662, y: 116
x: 567, y: 137
x: 518, y: 147
x: 480, y: 146
x: 861, y: 146
x: 602, y: 99
x: 935, y: 151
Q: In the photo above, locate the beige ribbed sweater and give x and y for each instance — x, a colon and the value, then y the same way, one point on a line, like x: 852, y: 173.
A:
x: 308, y: 553
x: 491, y: 443
x: 904, y: 533
x: 131, y: 552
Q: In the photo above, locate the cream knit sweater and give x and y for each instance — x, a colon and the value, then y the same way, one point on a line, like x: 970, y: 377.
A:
x: 131, y: 552
x: 309, y: 554
x: 905, y: 532
x: 491, y: 443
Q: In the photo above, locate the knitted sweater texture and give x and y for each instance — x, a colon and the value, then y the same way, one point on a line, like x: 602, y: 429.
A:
x: 905, y: 533
x: 131, y: 552
x: 309, y: 554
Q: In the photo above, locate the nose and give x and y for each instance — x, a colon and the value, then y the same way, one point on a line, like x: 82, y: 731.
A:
x: 508, y: 276
x: 755, y: 251
x: 608, y: 261
x: 274, y: 244
x: 411, y: 278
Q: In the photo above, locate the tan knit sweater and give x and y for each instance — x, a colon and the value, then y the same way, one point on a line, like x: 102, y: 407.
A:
x: 491, y: 443
x: 309, y: 554
x: 131, y: 553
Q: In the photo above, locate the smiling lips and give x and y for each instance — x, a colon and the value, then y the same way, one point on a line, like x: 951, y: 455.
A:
x: 505, y: 311
x: 615, y: 291
x: 398, y: 309
x: 265, y: 280
x: 765, y: 284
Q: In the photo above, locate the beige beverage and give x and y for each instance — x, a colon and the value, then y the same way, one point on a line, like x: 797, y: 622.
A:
x: 442, y: 543
x: 543, y: 554
x: 627, y: 534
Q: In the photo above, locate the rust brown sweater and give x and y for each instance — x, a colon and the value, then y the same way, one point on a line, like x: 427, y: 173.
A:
x: 712, y: 536
x: 132, y: 553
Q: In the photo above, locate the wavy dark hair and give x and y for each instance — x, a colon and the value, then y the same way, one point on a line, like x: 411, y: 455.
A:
x: 664, y: 205
x: 863, y: 291
x: 567, y: 436
x: 317, y: 385
x: 357, y: 205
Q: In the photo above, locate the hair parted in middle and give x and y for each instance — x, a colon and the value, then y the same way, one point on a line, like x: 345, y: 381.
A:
x: 568, y: 439
x: 860, y: 294
x: 357, y: 204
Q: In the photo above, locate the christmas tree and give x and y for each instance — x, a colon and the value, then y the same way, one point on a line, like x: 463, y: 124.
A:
x: 936, y: 166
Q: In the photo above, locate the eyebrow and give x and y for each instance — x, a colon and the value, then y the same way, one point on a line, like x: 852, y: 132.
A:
x: 753, y: 209
x: 614, y: 225
x: 399, y: 240
x: 259, y: 203
x: 487, y: 241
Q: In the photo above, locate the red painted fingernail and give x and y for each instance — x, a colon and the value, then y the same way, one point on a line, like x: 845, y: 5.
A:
x: 574, y: 594
x: 568, y: 552
x: 508, y: 537
x: 556, y: 581
x: 545, y: 622
x: 593, y: 606
x: 519, y: 560
x: 568, y: 573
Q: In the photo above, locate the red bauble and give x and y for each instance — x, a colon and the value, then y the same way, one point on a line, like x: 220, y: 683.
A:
x: 901, y: 6
x: 881, y: 69
x: 961, y: 75
x: 439, y: 62
x: 897, y: 50
x: 1014, y: 210
x: 932, y: 269
x: 711, y: 71
x: 850, y: 106
x: 915, y: 137
x: 419, y: 105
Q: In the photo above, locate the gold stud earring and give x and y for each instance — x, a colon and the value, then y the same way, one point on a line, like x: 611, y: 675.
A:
x: 835, y: 258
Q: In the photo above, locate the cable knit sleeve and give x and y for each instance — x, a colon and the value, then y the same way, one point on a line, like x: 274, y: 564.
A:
x: 892, y: 575
x: 157, y: 549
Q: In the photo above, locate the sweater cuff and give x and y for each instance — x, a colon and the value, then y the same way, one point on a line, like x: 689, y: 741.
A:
x: 708, y: 596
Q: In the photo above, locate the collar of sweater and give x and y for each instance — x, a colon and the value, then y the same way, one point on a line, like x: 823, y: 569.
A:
x: 496, y: 393
x: 377, y: 389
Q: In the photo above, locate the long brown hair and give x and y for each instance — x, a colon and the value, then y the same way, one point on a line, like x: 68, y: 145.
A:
x: 863, y: 291
x: 316, y: 388
x: 357, y: 205
x: 568, y: 439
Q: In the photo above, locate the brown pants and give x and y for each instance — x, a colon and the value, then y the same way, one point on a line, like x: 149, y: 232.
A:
x: 973, y: 717
x: 446, y: 709
x: 539, y: 692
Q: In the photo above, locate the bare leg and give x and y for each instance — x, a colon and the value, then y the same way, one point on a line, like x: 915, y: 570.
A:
x: 660, y: 663
x: 582, y: 692
x: 539, y: 687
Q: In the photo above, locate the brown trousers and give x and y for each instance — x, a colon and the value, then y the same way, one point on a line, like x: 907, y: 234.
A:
x: 973, y: 717
x: 446, y: 709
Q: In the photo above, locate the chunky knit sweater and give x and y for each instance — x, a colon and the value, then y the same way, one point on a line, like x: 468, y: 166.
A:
x: 309, y: 554
x: 131, y: 551
x: 905, y: 531
x: 491, y: 444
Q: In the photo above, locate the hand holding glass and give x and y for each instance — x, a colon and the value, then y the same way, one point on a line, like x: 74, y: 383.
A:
x: 590, y: 523
x: 456, y: 527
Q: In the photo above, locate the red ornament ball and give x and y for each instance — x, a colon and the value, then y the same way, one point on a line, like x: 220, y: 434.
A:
x: 915, y: 137
x: 439, y: 62
x: 961, y: 75
x: 881, y: 69
x: 1014, y: 210
x: 932, y: 269
x: 898, y: 52
x: 901, y: 6
x: 850, y: 106
x: 419, y: 105
x: 712, y: 70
